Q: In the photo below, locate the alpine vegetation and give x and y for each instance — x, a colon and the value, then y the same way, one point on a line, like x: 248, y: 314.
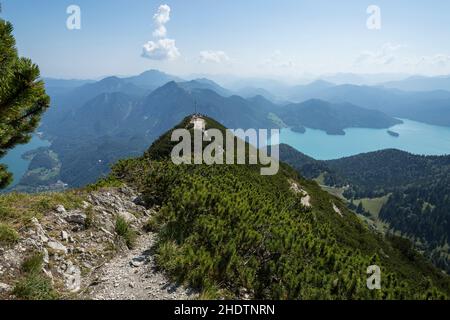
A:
x: 189, y: 150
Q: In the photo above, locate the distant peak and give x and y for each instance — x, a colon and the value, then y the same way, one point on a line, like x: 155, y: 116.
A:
x: 111, y: 79
x: 152, y: 71
x: 204, y: 80
x: 170, y: 86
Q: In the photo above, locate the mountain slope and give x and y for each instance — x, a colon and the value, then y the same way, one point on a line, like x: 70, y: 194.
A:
x: 103, y: 115
x: 151, y: 79
x: 333, y: 118
x: 380, y: 172
x: 432, y: 107
x: 170, y: 103
x: 224, y: 230
x: 420, y: 83
x: 416, y: 188
x: 229, y: 232
x: 66, y: 103
x: 205, y: 84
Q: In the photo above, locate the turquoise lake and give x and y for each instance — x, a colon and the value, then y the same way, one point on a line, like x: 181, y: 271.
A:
x: 415, y: 137
x: 14, y: 161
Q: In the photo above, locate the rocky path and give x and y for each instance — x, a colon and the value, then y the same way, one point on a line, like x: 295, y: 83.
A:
x: 82, y: 254
x: 132, y: 276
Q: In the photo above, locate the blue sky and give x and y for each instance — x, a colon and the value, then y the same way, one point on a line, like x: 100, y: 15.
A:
x: 283, y: 38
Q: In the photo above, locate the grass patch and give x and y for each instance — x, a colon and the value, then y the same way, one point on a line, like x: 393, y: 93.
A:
x: 335, y: 191
x: 33, y: 285
x: 153, y: 223
x: 17, y: 209
x: 126, y: 232
x: 372, y: 205
x: 33, y: 264
x: 89, y: 217
x: 108, y: 182
x: 7, y: 234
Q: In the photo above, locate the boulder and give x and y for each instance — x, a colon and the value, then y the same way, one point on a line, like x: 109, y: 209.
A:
x: 5, y: 288
x: 60, y: 209
x: 40, y: 232
x: 128, y: 217
x: 76, y: 216
x: 64, y: 236
x: 45, y: 257
x: 57, y: 247
x: 72, y: 277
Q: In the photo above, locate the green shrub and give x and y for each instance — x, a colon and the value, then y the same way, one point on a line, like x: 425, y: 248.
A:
x: 108, y: 182
x: 126, y: 232
x: 33, y: 264
x: 7, y: 234
x: 153, y: 224
x: 89, y: 217
x: 224, y: 228
x: 33, y: 285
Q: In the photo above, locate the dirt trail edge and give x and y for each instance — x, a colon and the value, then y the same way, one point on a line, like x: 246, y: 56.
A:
x: 132, y: 275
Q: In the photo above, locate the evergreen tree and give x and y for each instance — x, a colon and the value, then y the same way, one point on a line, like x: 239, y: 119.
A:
x: 360, y: 208
x: 22, y: 97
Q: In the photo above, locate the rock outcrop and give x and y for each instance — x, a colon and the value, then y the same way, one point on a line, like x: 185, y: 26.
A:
x: 78, y: 245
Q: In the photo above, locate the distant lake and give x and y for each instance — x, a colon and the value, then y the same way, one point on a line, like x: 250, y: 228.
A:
x: 14, y: 161
x: 415, y: 137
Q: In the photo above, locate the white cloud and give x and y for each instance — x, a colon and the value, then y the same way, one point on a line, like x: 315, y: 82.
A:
x: 382, y: 57
x: 161, y: 17
x: 160, y: 32
x: 162, y: 49
x: 213, y: 56
x: 438, y: 60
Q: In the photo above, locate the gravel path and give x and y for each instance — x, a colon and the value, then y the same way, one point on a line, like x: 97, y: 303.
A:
x: 132, y: 276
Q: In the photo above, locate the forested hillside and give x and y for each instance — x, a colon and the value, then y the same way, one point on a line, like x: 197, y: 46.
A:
x: 416, y: 186
x: 380, y: 172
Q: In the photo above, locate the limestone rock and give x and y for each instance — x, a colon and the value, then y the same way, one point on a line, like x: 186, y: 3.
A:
x: 57, y: 247
x: 72, y: 277
x: 127, y: 216
x: 64, y: 236
x: 5, y: 288
x: 76, y: 216
x: 60, y: 209
x: 40, y: 232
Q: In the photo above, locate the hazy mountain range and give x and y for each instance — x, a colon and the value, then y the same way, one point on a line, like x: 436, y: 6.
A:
x: 91, y: 124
